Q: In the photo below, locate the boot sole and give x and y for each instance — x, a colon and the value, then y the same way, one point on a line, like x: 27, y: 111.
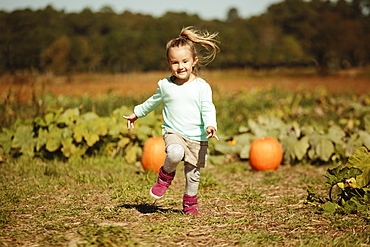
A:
x: 154, y: 196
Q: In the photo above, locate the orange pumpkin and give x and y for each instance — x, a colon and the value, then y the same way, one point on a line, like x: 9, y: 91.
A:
x: 153, y: 154
x: 265, y: 154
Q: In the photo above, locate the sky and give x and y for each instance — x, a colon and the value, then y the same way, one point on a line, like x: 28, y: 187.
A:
x: 206, y: 9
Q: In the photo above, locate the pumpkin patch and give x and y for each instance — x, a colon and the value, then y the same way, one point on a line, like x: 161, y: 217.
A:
x: 153, y: 154
x: 265, y: 154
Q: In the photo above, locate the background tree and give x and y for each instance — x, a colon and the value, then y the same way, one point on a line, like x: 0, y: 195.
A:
x: 232, y: 15
x: 321, y: 33
x: 56, y: 57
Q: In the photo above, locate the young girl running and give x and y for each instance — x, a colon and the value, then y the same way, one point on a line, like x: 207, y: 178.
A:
x: 189, y: 113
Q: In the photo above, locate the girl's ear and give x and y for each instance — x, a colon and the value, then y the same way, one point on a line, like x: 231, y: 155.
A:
x: 195, y: 61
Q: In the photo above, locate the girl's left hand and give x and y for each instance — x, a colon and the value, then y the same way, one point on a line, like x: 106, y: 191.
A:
x: 212, y: 133
x: 130, y: 120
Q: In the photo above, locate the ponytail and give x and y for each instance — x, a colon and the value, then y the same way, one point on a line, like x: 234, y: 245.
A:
x: 189, y: 36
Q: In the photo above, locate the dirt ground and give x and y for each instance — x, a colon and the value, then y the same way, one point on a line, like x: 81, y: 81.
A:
x: 239, y: 207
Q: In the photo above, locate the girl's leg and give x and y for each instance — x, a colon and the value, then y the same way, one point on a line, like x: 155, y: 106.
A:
x: 190, y: 199
x: 175, y: 154
x: 192, y: 176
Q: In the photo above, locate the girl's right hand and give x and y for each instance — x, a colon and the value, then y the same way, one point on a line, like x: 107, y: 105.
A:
x: 212, y: 133
x: 130, y: 120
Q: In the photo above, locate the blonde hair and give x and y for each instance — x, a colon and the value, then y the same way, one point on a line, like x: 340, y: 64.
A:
x: 189, y: 37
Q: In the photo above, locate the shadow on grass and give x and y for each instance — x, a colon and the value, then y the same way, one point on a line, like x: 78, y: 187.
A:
x: 146, y: 208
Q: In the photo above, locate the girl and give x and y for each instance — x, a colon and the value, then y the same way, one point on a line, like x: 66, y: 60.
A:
x: 189, y: 113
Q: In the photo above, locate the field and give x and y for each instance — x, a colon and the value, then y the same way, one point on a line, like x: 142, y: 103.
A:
x: 104, y: 201
x: 24, y: 86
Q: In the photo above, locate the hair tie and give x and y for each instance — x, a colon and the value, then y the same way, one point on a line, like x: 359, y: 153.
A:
x: 183, y: 37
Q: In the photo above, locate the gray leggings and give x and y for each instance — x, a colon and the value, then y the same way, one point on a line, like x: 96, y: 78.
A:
x: 175, y: 153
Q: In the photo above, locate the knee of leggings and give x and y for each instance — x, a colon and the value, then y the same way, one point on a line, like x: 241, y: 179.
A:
x: 175, y: 153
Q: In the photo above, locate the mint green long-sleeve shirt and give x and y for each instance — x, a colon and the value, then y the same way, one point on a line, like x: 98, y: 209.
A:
x: 188, y: 109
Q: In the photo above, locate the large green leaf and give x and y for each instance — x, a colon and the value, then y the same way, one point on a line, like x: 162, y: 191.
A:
x: 90, y: 129
x: 324, y: 148
x: 89, y: 116
x: 45, y: 121
x: 72, y: 151
x: 41, y: 139
x: 54, y: 138
x: 365, y: 138
x: 336, y: 134
x: 244, y: 152
x: 120, y: 112
x: 256, y: 129
x: 123, y: 142
x: 367, y: 122
x: 266, y: 126
x: 294, y: 148
x: 329, y: 207
x: 340, y: 174
x: 354, y: 205
x: 6, y: 139
x: 361, y: 160
x: 132, y: 152
x: 49, y: 118
x: 224, y: 147
x: 116, y: 129
x: 312, y: 154
x: 353, y: 142
x: 143, y: 132
x: 243, y: 144
x: 296, y: 129
x: 69, y: 116
x: 23, y: 139
x: 116, y: 123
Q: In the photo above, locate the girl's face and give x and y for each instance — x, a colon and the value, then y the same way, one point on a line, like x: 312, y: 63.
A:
x: 181, y: 63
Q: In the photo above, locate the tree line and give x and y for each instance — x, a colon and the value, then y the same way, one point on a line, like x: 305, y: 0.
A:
x: 321, y: 33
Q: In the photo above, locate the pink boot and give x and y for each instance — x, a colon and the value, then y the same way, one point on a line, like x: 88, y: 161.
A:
x: 164, y: 180
x: 190, y: 204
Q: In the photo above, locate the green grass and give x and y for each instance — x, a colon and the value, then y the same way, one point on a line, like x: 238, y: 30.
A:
x: 102, y: 201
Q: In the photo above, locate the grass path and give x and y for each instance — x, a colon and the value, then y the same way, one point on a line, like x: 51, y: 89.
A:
x: 105, y: 202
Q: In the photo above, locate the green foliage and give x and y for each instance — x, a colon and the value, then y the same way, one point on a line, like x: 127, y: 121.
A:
x: 299, y: 142
x: 68, y: 134
x: 311, y: 127
x: 349, y: 190
x: 328, y: 134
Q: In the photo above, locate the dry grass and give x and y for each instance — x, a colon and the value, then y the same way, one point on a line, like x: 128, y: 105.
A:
x: 103, y: 202
x: 24, y: 86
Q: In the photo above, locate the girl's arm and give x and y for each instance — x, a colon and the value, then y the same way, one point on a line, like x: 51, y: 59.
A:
x: 150, y: 104
x: 209, y: 112
x: 144, y: 108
